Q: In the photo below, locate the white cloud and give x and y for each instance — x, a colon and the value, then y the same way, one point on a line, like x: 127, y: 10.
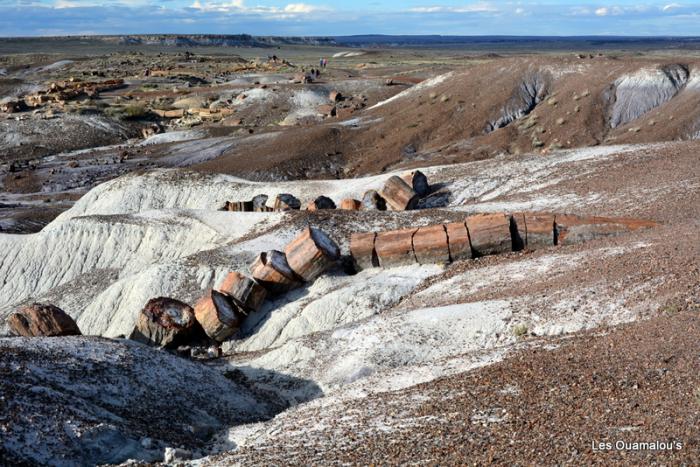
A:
x: 239, y: 6
x: 671, y: 6
x: 479, y: 7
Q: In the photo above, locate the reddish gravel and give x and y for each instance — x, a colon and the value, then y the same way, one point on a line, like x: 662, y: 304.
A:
x: 635, y: 384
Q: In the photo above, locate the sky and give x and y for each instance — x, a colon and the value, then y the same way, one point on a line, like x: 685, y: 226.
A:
x: 328, y: 17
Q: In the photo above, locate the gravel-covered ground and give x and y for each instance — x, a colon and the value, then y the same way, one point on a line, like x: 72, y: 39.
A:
x: 551, y: 404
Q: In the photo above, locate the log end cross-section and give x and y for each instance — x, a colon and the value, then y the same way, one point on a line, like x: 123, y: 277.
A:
x: 311, y: 253
x: 272, y: 271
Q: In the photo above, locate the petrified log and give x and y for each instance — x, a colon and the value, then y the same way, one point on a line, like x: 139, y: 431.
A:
x: 570, y: 229
x: 239, y: 206
x: 430, y: 245
x: 418, y: 181
x: 326, y: 110
x: 165, y: 322
x: 272, y: 271
x: 260, y: 203
x: 395, y: 248
x: 535, y: 229
x: 458, y: 241
x: 311, y: 253
x: 350, y: 204
x: 335, y: 96
x: 219, y: 316
x: 398, y: 194
x: 489, y: 234
x: 322, y: 202
x: 362, y: 250
x: 38, y: 319
x: 245, y: 291
x: 286, y: 202
x: 372, y: 200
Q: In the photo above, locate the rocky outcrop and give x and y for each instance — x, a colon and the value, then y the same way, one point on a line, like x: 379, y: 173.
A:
x: 82, y: 400
x: 529, y: 92
x: 165, y: 322
x: 635, y: 94
x: 42, y: 320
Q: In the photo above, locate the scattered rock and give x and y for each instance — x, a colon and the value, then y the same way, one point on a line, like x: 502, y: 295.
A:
x: 165, y: 322
x: 322, y: 202
x: 40, y: 319
x: 286, y: 202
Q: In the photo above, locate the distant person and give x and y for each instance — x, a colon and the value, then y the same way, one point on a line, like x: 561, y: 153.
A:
x: 320, y: 62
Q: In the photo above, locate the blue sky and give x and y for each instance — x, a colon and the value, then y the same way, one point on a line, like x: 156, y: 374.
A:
x: 325, y: 17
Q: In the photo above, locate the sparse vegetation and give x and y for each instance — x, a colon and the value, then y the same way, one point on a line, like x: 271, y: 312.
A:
x: 520, y: 330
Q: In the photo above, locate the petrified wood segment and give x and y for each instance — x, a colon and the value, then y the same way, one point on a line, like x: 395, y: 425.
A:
x: 539, y: 229
x: 372, y: 200
x: 322, y: 202
x: 350, y: 204
x: 39, y: 320
x: 272, y: 271
x: 219, y: 316
x: 570, y: 229
x: 418, y: 181
x: 430, y: 245
x: 165, y: 322
x: 398, y: 194
x: 489, y: 234
x: 245, y: 291
x: 362, y: 250
x: 286, y: 202
x: 395, y: 248
x: 458, y: 241
x: 311, y: 253
x: 260, y: 203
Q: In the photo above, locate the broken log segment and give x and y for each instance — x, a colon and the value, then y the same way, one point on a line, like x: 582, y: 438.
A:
x: 569, y: 229
x: 260, y: 203
x: 395, y: 248
x: 362, y: 250
x: 311, y: 253
x: 398, y: 194
x: 245, y: 291
x: 42, y: 320
x: 239, y: 206
x: 490, y: 234
x: 458, y: 241
x: 350, y: 204
x: 430, y: 245
x: 272, y: 271
x: 219, y: 316
x: 322, y: 202
x: 536, y: 229
x: 165, y: 322
x: 286, y: 202
x: 418, y: 181
x: 372, y: 200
